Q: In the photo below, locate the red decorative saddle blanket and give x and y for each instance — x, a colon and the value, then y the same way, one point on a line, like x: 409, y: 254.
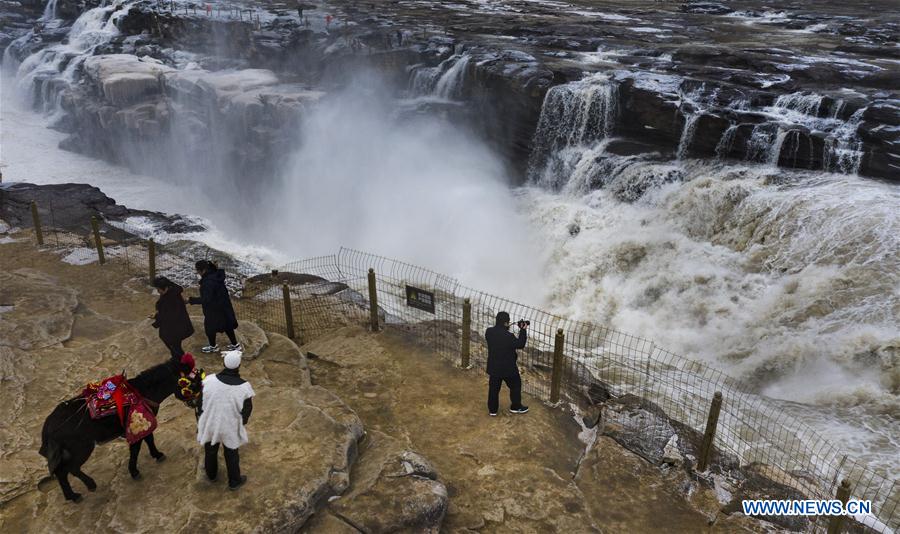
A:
x: 116, y: 395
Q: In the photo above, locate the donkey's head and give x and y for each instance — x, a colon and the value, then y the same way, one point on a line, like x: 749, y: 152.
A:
x: 160, y: 381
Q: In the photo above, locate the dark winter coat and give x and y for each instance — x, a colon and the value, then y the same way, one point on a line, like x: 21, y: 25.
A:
x: 218, y: 312
x: 172, y: 317
x: 502, y: 346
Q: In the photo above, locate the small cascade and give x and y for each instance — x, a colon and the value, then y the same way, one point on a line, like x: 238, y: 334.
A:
x: 450, y: 84
x: 444, y: 81
x: 687, y: 134
x: 726, y: 142
x: 422, y: 80
x: 575, y: 117
x: 46, y: 72
x: 843, y: 148
x: 49, y: 11
x: 802, y: 103
x: 775, y: 150
x: 759, y: 146
x: 837, y: 108
x: 796, y: 127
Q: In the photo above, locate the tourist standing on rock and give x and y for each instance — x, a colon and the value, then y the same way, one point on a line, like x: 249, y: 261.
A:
x: 218, y: 313
x: 501, y: 364
x: 171, y: 316
x: 227, y: 404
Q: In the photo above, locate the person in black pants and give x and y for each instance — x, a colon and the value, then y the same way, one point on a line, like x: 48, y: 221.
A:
x: 218, y: 313
x: 221, y: 422
x: 171, y: 316
x: 501, y: 364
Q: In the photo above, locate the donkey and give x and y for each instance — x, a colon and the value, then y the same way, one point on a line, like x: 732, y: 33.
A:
x: 70, y: 434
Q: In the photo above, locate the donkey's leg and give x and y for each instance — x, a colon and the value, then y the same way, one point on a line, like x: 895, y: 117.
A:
x: 79, y: 457
x: 88, y: 481
x: 62, y: 476
x: 154, y: 452
x: 133, y: 451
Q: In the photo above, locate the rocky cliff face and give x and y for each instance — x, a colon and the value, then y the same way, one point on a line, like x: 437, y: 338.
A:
x: 810, y: 85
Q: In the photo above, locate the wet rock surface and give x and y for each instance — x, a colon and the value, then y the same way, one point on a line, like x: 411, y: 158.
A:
x: 70, y: 206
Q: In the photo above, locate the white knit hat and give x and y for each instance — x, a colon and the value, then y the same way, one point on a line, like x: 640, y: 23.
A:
x: 232, y: 359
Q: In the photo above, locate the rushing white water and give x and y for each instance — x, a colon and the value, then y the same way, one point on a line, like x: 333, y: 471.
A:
x: 575, y: 119
x: 793, y: 288
x: 687, y: 135
x: 49, y: 11
x: 60, y: 61
x: 450, y: 84
x: 843, y: 149
x: 445, y: 81
x: 726, y: 142
x: 789, y: 280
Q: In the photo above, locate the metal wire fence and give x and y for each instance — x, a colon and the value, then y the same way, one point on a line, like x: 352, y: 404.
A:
x: 648, y: 395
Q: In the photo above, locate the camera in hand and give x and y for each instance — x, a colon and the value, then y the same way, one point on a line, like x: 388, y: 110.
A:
x: 523, y: 323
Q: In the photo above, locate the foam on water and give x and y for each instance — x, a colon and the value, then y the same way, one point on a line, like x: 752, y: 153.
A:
x: 790, y: 287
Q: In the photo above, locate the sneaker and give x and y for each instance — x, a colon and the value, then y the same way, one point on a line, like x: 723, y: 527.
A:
x: 492, y: 414
x: 234, y: 347
x: 240, y: 483
x: 520, y: 409
x: 209, y: 349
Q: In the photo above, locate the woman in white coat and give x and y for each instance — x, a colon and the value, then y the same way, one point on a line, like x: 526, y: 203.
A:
x: 226, y: 409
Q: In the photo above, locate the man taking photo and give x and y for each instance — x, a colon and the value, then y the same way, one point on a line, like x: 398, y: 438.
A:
x: 501, y: 364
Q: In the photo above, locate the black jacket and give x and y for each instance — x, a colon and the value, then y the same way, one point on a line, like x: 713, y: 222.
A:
x: 502, y: 345
x: 218, y: 312
x: 172, y: 317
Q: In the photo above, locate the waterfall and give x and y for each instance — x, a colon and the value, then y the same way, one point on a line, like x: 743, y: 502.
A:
x: 59, y: 62
x: 687, y: 134
x: 726, y: 142
x: 760, y: 143
x: 423, y: 79
x: 775, y: 149
x: 444, y: 81
x: 806, y: 104
x: 837, y: 108
x: 450, y: 84
x: 574, y: 118
x: 843, y: 148
x: 49, y: 11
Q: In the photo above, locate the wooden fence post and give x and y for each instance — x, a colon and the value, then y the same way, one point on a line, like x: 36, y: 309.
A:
x: 836, y: 522
x: 466, y: 334
x: 373, y: 300
x: 288, y: 310
x: 39, y: 234
x: 96, y: 226
x: 710, y: 435
x: 556, y: 377
x: 151, y: 257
